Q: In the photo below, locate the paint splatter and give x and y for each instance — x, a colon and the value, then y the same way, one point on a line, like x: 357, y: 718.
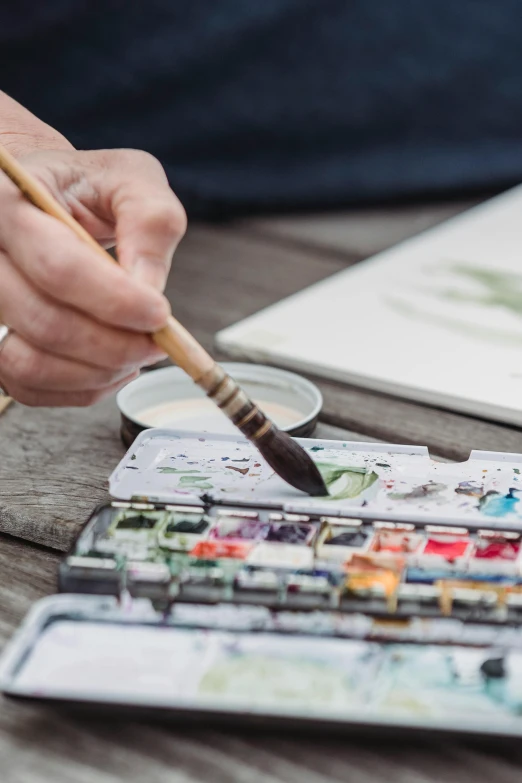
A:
x: 429, y: 491
x: 177, y: 470
x: 493, y: 504
x: 345, y: 482
x: 517, y: 471
x: 243, y: 471
x: 471, y: 488
x: 197, y: 482
x: 317, y: 448
x: 382, y: 465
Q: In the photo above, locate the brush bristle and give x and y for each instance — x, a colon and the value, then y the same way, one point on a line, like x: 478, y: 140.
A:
x: 291, y: 462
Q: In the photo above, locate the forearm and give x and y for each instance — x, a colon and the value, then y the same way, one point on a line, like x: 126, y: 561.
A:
x: 21, y: 132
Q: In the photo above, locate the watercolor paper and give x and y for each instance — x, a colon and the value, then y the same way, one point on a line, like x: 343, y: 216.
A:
x: 436, y: 319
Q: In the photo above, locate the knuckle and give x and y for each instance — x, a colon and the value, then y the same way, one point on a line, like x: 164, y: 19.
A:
x: 48, y: 328
x: 24, y: 366
x: 54, y: 271
x: 166, y: 219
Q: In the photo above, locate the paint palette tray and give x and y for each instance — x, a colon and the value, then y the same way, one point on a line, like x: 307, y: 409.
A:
x: 209, y: 587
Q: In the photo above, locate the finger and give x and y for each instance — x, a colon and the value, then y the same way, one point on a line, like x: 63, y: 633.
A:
x: 21, y: 365
x: 62, y: 331
x: 64, y: 267
x: 150, y: 221
x: 50, y: 399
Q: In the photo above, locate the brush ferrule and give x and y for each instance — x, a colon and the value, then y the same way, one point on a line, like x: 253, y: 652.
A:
x: 262, y: 430
x: 246, y: 418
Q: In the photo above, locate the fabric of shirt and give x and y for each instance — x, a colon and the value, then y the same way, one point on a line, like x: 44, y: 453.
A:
x: 280, y: 104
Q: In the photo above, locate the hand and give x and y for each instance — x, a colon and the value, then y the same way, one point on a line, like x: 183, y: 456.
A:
x: 79, y: 323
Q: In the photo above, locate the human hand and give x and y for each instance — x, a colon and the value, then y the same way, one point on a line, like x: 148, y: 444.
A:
x: 79, y: 325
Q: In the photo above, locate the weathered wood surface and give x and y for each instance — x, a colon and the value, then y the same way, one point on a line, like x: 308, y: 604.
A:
x: 54, y: 466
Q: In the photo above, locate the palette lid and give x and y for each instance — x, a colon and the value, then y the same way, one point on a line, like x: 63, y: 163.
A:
x: 365, y: 480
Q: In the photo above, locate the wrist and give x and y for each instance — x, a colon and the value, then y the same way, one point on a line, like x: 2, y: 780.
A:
x: 22, y: 133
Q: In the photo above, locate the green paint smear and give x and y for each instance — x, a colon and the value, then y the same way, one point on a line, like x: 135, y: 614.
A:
x: 500, y: 290
x: 197, y: 482
x: 345, y: 482
x: 176, y: 470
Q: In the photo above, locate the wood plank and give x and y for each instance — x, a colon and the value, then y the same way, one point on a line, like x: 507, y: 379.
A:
x: 357, y: 233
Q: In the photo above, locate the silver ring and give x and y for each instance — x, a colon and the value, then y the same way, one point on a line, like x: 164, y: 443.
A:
x: 5, y: 331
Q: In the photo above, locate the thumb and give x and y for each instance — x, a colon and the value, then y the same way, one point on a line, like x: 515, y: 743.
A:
x: 150, y: 221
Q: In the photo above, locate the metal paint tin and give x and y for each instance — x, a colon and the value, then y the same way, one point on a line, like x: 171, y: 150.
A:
x: 169, y: 398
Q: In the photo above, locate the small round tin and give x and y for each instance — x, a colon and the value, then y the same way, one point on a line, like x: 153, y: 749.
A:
x: 169, y: 398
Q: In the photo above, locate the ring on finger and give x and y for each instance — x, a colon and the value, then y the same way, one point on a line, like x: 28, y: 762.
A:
x: 5, y: 331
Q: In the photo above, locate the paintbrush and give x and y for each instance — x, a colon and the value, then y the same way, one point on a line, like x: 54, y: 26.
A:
x: 283, y: 454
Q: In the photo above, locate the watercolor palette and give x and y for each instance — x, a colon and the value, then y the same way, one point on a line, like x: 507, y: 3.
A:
x: 396, y: 601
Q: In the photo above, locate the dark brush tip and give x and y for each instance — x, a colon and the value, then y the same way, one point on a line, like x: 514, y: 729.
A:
x: 291, y: 462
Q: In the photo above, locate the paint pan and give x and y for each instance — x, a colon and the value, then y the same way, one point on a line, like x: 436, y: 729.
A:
x: 148, y: 580
x: 183, y: 528
x: 423, y: 599
x: 237, y: 527
x: 370, y: 578
x: 496, y: 552
x: 445, y: 548
x: 168, y: 398
x: 253, y: 581
x: 289, y: 532
x: 286, y: 556
x: 339, y: 541
x: 394, y: 540
x: 211, y: 550
x: 457, y: 597
x: 135, y: 525
x: 92, y: 574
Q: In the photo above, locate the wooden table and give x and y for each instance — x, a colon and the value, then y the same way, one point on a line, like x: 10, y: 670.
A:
x: 54, y: 466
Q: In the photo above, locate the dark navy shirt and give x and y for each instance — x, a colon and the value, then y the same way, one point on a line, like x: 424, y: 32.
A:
x: 275, y: 104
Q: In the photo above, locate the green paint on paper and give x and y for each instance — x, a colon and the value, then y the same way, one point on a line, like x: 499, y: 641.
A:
x: 345, y: 482
x: 517, y: 471
x: 500, y: 290
x: 317, y: 448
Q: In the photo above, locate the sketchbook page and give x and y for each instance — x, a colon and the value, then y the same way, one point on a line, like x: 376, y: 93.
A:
x: 437, y: 319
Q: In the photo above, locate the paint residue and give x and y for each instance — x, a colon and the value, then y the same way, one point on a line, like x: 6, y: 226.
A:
x: 345, y: 482
x: 429, y: 491
x: 243, y: 471
x: 494, y: 504
x: 472, y: 488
